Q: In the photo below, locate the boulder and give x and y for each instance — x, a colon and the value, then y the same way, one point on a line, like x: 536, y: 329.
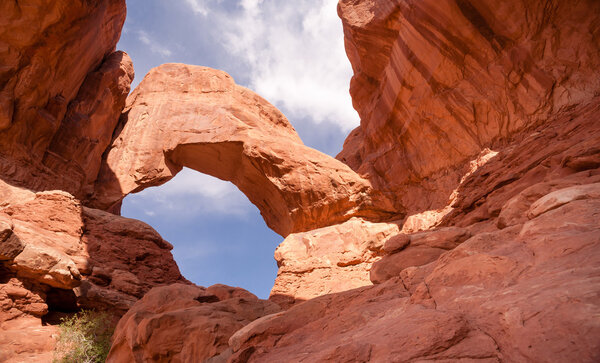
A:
x: 328, y: 260
x: 185, y: 323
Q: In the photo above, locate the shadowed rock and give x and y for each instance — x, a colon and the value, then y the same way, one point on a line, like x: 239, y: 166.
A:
x: 185, y: 323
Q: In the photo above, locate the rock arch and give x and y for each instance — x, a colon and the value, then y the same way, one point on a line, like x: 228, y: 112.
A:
x: 182, y: 115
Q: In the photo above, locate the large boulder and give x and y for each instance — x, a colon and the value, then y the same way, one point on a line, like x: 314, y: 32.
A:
x: 328, y: 260
x: 185, y: 323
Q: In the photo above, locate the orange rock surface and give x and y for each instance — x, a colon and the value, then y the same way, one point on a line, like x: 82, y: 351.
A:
x: 185, y: 323
x: 93, y: 257
x: 435, y: 82
x: 59, y: 79
x: 498, y: 289
x: 197, y: 117
x: 328, y: 260
x: 460, y: 222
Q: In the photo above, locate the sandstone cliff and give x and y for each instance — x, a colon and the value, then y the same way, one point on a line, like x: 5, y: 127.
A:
x: 61, y: 90
x: 435, y: 82
x: 460, y: 221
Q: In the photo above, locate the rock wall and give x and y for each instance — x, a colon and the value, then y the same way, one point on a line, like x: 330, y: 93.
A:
x: 436, y: 82
x: 48, y: 49
x: 62, y: 90
x: 57, y: 257
x: 480, y: 121
x: 460, y: 221
x: 521, y: 286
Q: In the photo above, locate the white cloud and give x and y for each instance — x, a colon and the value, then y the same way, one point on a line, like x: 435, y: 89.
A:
x: 155, y: 47
x: 295, y: 51
x: 195, y: 193
x: 198, y: 6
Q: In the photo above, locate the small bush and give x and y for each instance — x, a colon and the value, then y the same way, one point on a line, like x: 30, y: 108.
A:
x: 84, y: 338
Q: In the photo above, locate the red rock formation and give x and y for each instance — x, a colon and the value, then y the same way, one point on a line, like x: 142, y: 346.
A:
x: 512, y: 273
x: 328, y: 260
x: 435, y: 82
x: 87, y: 129
x: 59, y: 80
x: 110, y: 260
x: 479, y: 119
x: 198, y: 117
x: 26, y: 340
x: 185, y: 323
x: 527, y: 292
x: 57, y: 256
x: 406, y: 250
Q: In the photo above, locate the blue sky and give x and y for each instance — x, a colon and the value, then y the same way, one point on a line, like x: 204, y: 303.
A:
x: 289, y: 52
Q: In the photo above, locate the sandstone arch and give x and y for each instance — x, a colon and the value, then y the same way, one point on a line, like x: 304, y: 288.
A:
x: 193, y: 116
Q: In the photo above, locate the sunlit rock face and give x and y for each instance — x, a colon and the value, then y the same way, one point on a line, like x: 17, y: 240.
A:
x: 328, y: 260
x: 460, y: 222
x: 435, y: 82
x: 197, y: 117
x: 480, y: 120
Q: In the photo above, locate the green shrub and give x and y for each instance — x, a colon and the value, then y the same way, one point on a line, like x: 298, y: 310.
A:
x: 84, y: 338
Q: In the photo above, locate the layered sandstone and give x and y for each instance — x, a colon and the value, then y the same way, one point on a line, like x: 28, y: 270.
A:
x: 477, y: 122
x: 518, y: 285
x: 59, y: 81
x: 435, y: 82
x: 197, y: 117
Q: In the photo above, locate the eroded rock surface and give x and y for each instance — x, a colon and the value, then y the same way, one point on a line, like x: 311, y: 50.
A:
x: 111, y: 261
x: 59, y: 81
x: 328, y: 259
x: 185, y: 323
x: 479, y: 125
x: 507, y: 266
x: 197, y: 117
x: 435, y: 82
x: 57, y: 256
x: 527, y: 292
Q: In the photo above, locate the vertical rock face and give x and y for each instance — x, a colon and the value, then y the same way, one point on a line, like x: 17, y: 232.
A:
x: 483, y: 117
x: 192, y: 116
x: 479, y: 119
x: 87, y: 129
x: 47, y: 49
x: 435, y: 82
x: 62, y: 90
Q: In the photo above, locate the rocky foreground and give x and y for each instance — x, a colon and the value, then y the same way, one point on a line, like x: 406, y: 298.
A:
x: 461, y: 221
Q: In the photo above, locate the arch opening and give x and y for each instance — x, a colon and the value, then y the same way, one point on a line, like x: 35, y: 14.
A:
x: 218, y: 235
